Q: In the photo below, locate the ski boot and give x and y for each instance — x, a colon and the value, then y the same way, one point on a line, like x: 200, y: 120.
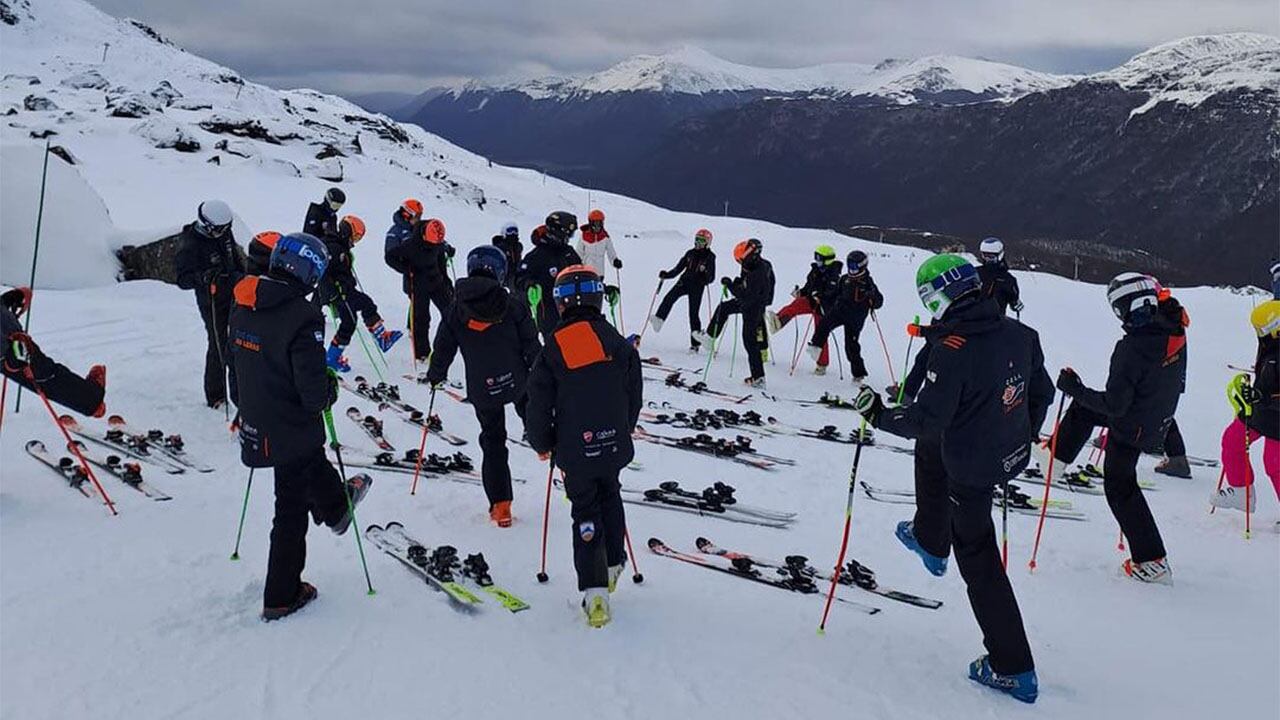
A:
x: 656, y: 323
x: 500, y: 513
x: 755, y: 382
x: 772, y: 321
x: 1151, y: 571
x: 937, y: 566
x: 820, y: 370
x: 1229, y: 498
x: 1175, y: 467
x: 335, y: 360
x: 700, y: 338
x: 383, y: 337
x: 595, y: 603
x: 356, y: 488
x: 615, y: 572
x: 306, y: 593
x: 1022, y: 686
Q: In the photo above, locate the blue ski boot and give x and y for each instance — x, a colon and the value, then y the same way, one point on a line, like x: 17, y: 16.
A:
x: 937, y: 566
x: 383, y: 337
x: 1024, y: 686
x: 334, y: 359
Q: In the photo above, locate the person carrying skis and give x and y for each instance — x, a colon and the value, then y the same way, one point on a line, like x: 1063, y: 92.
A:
x: 1257, y: 407
x: 997, y: 282
x: 494, y: 330
x: 1174, y: 463
x: 1148, y: 374
x: 282, y: 388
x: 595, y: 247
x: 424, y: 263
x: 985, y: 396
x: 818, y: 292
x: 27, y: 365
x: 209, y: 262
x: 854, y: 297
x: 536, y: 274
x: 341, y: 292
x: 752, y: 293
x: 585, y: 396
x: 322, y: 217
x: 695, y: 271
x: 508, y: 241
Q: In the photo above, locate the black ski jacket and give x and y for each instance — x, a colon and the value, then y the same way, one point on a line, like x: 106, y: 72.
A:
x: 209, y: 266
x: 321, y: 221
x: 822, y: 282
x: 696, y: 268
x: 426, y: 266
x: 339, y: 279
x: 493, y: 329
x: 514, y: 250
x: 281, y: 383
x: 585, y: 396
x: 1148, y: 374
x: 1265, y: 417
x: 754, y: 285
x: 854, y: 298
x: 999, y: 284
x: 540, y: 268
x: 986, y: 392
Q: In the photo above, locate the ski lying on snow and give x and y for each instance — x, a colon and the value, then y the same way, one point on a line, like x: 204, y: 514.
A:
x: 826, y: 400
x: 371, y: 426
x: 433, y: 424
x: 725, y: 451
x: 720, y: 494
x: 897, y: 498
x: 783, y: 579
x: 675, y: 380
x: 854, y: 574
x: 424, y: 563
x: 121, y: 443
x: 1191, y: 459
x: 1015, y: 492
x: 473, y: 569
x: 660, y: 500
x: 171, y: 445
x: 655, y: 363
x: 65, y: 467
x: 129, y: 473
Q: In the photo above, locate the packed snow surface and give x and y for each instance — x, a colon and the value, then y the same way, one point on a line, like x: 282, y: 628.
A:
x: 142, y: 615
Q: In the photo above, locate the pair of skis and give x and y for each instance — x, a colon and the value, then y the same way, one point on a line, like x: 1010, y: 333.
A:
x: 129, y: 473
x: 371, y: 427
x: 704, y: 444
x: 455, y: 468
x: 167, y: 452
x: 717, y: 501
x: 441, y: 568
x: 1018, y: 503
x: 676, y: 380
x: 387, y: 397
x: 827, y: 400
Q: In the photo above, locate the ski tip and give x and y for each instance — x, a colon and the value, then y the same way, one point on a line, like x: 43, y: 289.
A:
x: 703, y: 543
x: 655, y: 543
x: 372, y: 528
x: 35, y: 445
x: 394, y: 524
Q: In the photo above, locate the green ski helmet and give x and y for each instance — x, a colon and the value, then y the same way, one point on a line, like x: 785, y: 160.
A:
x: 944, y: 279
x: 824, y: 254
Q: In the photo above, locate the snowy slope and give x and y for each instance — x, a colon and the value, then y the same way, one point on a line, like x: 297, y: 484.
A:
x: 142, y: 615
x: 1192, y: 69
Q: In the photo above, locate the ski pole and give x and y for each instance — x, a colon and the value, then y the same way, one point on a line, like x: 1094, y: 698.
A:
x: 422, y: 444
x: 795, y: 357
x: 244, y: 508
x: 1048, y: 481
x: 1004, y: 526
x: 222, y: 358
x: 381, y: 355
x: 848, y: 521
x: 652, y: 301
x: 637, y: 577
x: 902, y: 383
x: 546, y: 514
x: 715, y: 339
x: 1248, y: 478
x: 622, y: 318
x: 342, y: 472
x: 84, y: 464
x: 1221, y: 476
x: 413, y: 336
x: 733, y: 351
x: 839, y: 356
x: 4, y: 391
x: 35, y: 256
x: 883, y: 345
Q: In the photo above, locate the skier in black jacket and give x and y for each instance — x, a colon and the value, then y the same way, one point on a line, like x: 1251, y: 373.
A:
x: 695, y: 271
x: 210, y: 263
x: 322, y: 217
x: 997, y: 282
x: 854, y: 297
x: 508, y: 241
x: 985, y: 398
x: 494, y: 330
x: 424, y: 263
x: 585, y: 396
x: 752, y: 293
x: 536, y: 274
x: 817, y: 293
x: 282, y: 388
x: 341, y: 292
x: 1147, y: 376
x: 21, y: 354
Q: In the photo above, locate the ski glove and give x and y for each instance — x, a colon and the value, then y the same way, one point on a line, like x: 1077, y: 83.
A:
x: 663, y: 275
x: 868, y: 403
x: 726, y: 281
x: 450, y: 250
x: 1242, y: 395
x: 534, y: 293
x: 611, y: 294
x: 617, y: 263
x: 1069, y: 382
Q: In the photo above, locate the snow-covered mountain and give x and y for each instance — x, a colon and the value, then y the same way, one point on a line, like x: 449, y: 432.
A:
x: 142, y: 615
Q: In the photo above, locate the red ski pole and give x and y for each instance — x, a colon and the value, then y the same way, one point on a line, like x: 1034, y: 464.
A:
x: 883, y: 345
x: 1048, y: 481
x: 648, y: 316
x: 636, y: 577
x: 795, y: 356
x: 84, y: 465
x: 422, y: 446
x: 546, y: 515
x: 848, y: 522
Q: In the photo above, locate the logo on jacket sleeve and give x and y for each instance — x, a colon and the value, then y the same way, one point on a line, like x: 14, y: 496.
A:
x: 1014, y: 393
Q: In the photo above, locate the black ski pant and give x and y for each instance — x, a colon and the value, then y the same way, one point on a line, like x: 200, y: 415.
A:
x: 599, y: 526
x: 852, y: 343
x: 754, y: 338
x: 309, y: 486
x: 1174, y: 445
x: 59, y: 384
x: 494, y: 468
x: 1119, y: 480
x: 217, y: 365
x: 420, y: 302
x: 693, y: 293
x: 956, y: 517
x: 346, y: 306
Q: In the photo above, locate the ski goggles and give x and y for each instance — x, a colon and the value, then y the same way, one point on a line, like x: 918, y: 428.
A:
x: 566, y: 290
x: 939, y: 293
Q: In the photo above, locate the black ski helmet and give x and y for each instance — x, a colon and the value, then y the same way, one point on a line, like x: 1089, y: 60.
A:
x: 1134, y: 297
x: 578, y: 286
x: 487, y: 260
x: 856, y: 262
x: 335, y: 198
x: 561, y: 225
x: 299, y: 257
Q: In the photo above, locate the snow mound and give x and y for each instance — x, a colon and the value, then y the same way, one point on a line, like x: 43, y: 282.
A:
x: 74, y: 251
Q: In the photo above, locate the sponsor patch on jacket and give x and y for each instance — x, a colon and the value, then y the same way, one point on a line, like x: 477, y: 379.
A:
x: 598, y: 442
x: 1017, y: 458
x: 1014, y: 395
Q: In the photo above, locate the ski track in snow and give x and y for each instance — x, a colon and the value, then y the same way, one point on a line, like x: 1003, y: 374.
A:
x: 143, y: 615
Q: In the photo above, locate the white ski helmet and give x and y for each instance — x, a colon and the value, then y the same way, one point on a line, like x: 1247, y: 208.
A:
x: 1133, y: 297
x: 213, y: 218
x: 991, y: 250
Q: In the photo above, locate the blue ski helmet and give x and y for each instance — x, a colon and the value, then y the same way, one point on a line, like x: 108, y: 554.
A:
x: 487, y: 260
x: 299, y: 257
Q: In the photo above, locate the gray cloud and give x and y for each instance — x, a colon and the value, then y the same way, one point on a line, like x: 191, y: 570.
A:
x: 358, y: 46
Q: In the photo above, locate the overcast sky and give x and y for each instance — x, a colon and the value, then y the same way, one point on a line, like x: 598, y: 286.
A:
x: 358, y: 46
